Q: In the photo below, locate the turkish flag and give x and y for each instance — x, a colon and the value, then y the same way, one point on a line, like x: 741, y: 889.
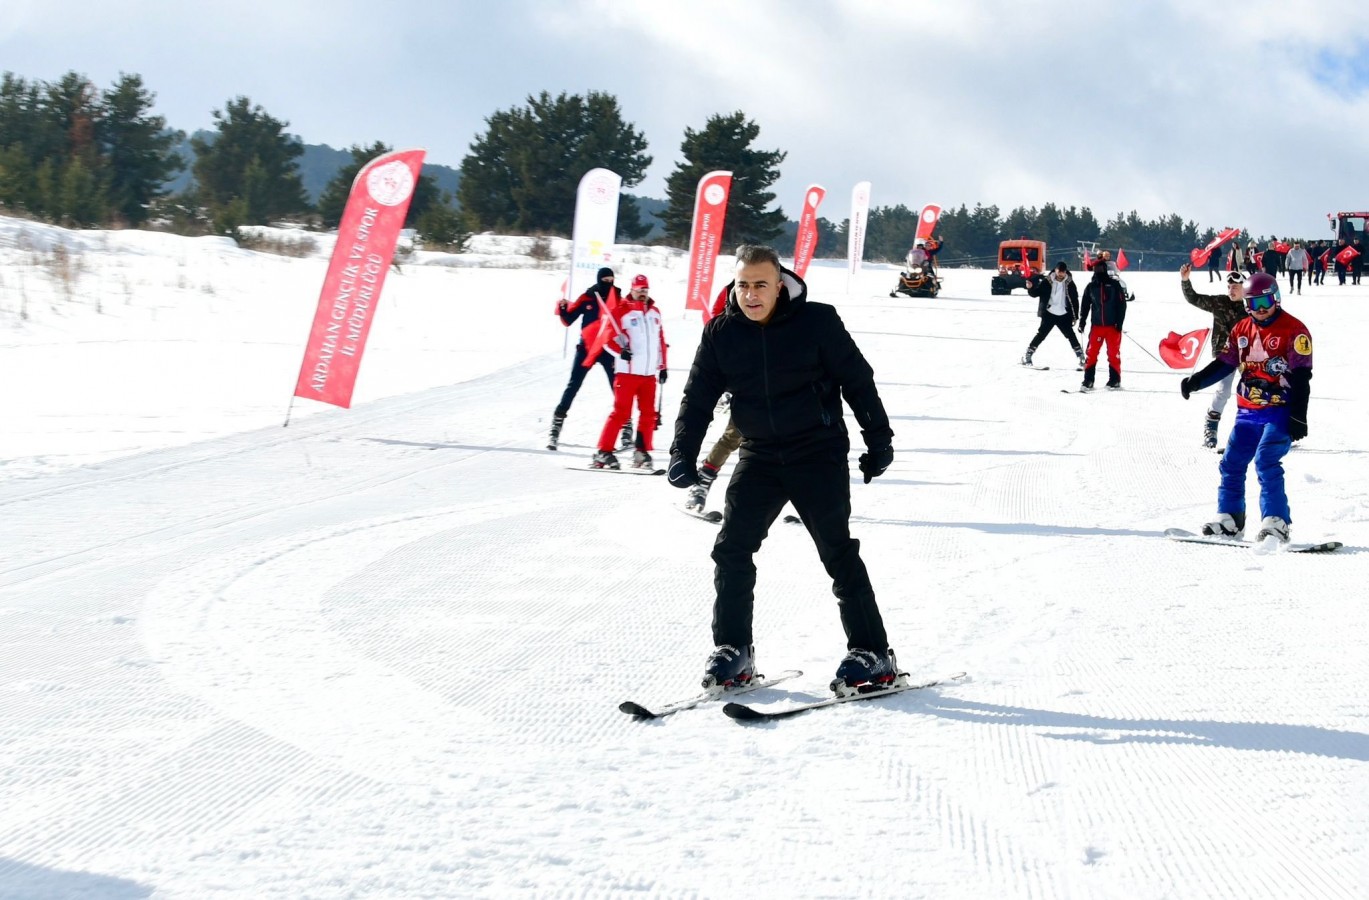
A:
x: 1199, y: 257
x: 1121, y: 259
x: 1282, y: 247
x: 1088, y: 262
x: 1180, y: 351
x: 1345, y: 256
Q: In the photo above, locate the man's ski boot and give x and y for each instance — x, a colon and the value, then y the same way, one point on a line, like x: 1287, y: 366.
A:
x: 1079, y: 354
x: 698, y: 493
x: 641, y: 459
x: 1229, y: 525
x: 625, y: 440
x: 865, y: 668
x: 1027, y: 357
x: 729, y: 667
x: 604, y: 459
x: 1210, y: 429
x: 1088, y: 380
x: 1273, y: 526
x: 557, y: 420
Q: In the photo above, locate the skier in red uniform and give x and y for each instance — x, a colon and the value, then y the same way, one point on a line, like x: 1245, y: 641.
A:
x: 637, y: 342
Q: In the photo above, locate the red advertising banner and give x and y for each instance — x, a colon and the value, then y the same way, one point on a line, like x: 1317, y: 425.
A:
x: 807, y: 240
x: 366, y: 241
x: 710, y: 211
x: 926, y: 222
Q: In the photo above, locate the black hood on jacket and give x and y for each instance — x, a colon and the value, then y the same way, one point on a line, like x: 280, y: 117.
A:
x: 793, y: 294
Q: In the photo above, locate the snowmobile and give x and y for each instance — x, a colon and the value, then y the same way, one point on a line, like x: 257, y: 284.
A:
x: 921, y: 282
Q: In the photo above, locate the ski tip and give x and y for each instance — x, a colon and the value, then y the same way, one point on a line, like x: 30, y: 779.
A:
x: 742, y: 713
x: 793, y: 520
x: 636, y: 710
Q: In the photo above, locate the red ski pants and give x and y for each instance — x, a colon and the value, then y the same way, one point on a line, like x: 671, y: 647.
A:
x: 1113, y: 337
x: 626, y: 388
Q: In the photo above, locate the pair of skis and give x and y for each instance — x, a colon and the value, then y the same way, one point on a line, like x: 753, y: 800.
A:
x: 742, y: 713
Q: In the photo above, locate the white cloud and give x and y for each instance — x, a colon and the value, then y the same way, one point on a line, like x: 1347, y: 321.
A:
x: 1222, y: 112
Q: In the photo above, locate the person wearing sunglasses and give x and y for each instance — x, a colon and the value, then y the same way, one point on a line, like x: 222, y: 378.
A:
x: 1227, y: 309
x: 1272, y: 351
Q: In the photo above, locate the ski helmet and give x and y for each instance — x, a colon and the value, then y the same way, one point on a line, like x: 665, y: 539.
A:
x: 1261, y: 292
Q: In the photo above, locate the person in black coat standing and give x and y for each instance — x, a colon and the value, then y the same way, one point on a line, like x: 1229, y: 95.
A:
x: 788, y: 364
x: 1057, y: 305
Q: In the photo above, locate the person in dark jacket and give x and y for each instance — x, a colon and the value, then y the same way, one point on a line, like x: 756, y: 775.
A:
x: 1057, y: 305
x: 601, y: 297
x: 788, y: 364
x: 1214, y: 266
x: 1106, y: 299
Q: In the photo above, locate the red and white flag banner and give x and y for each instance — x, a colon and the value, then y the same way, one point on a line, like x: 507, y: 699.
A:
x: 1200, y: 257
x: 926, y: 222
x: 710, y: 212
x: 1346, y: 256
x: 1180, y: 351
x: 807, y: 239
x: 1122, y: 261
x: 855, y: 234
x: 365, y: 247
x: 595, y: 228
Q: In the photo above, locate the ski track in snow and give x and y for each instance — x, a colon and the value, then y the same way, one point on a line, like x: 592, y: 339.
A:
x: 379, y: 653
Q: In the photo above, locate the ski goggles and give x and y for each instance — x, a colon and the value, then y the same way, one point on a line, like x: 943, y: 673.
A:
x: 1235, y: 278
x: 1259, y: 302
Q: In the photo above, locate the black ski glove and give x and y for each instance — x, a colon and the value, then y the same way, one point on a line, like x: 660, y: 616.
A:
x: 1297, y: 429
x: 625, y: 355
x: 662, y: 376
x: 682, y: 473
x: 1185, y: 387
x: 874, y: 462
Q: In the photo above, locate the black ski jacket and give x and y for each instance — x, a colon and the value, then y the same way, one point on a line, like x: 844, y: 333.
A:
x: 787, y: 379
x: 1107, y: 300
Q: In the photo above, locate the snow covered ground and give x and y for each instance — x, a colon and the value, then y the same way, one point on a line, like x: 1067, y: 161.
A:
x: 379, y: 652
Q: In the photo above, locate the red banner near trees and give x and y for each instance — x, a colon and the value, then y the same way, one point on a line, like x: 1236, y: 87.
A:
x: 710, y: 212
x: 926, y: 222
x: 366, y: 241
x: 807, y: 240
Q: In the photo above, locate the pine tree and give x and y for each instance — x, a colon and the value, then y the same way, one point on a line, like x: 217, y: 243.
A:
x: 725, y: 143
x: 523, y: 172
x: 250, y: 159
x: 138, y: 148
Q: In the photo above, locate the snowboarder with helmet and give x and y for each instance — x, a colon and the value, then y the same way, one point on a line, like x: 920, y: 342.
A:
x: 1271, y: 352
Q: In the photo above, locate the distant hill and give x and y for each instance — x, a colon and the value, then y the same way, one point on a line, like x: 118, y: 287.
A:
x: 317, y: 167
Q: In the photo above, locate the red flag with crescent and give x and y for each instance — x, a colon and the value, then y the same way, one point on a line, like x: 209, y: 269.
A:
x: 1180, y: 351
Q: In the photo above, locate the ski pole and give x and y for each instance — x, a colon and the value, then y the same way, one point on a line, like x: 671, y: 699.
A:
x: 1143, y: 349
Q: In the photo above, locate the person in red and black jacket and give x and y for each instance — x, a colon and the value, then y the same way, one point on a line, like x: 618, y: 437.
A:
x: 1107, y: 300
x: 601, y: 297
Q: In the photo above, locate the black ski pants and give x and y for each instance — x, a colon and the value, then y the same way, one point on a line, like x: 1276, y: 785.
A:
x: 578, y: 370
x: 821, y: 493
x: 1049, y: 321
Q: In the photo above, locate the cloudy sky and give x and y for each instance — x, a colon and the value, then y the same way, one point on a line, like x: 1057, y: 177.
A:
x: 1228, y: 113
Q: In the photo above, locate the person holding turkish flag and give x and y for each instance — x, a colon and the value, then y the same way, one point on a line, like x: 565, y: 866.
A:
x: 1226, y: 311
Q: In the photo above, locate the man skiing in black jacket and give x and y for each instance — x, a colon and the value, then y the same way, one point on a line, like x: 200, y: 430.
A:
x: 788, y: 364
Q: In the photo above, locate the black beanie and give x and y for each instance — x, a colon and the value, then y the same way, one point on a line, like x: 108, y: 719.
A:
x: 605, y: 272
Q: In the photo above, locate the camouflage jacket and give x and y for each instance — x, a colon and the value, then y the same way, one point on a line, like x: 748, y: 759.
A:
x: 1225, y: 313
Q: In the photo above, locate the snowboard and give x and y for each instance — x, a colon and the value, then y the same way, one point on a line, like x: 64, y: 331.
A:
x: 1179, y: 534
x: 711, y: 515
